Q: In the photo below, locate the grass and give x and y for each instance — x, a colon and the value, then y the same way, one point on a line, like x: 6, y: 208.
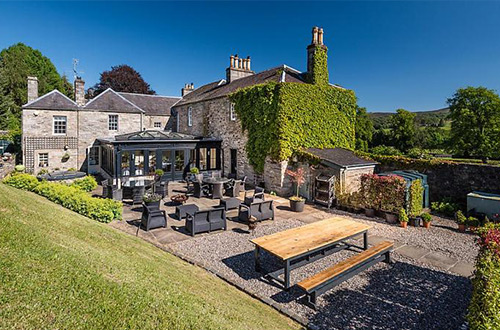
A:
x: 60, y: 270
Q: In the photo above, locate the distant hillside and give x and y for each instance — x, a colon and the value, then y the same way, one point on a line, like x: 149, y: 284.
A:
x: 424, y: 118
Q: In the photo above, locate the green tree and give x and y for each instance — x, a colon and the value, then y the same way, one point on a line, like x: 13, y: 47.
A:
x: 17, y: 63
x: 403, y: 129
x: 364, y: 129
x: 475, y: 122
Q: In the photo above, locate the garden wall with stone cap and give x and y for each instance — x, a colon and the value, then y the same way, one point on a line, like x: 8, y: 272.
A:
x: 446, y: 178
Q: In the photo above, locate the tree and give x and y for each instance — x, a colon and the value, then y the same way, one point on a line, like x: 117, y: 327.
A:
x: 475, y: 122
x: 17, y: 63
x: 403, y: 129
x: 364, y: 129
x: 122, y: 78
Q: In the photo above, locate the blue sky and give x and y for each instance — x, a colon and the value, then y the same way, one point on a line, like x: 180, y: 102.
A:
x: 410, y: 55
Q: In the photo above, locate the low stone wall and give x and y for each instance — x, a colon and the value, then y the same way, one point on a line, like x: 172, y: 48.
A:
x: 453, y: 180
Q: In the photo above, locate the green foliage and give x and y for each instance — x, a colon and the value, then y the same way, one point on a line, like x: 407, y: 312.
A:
x: 475, y: 126
x: 403, y: 129
x: 473, y: 222
x: 159, y: 172
x: 71, y: 197
x: 385, y: 150
x: 385, y: 193
x: 426, y: 217
x: 484, y: 307
x: 403, y: 217
x: 87, y: 183
x: 416, y: 198
x: 460, y: 218
x: 319, y: 74
x: 194, y: 170
x: 151, y: 197
x: 445, y: 207
x: 418, y: 153
x: 19, y: 168
x: 364, y: 129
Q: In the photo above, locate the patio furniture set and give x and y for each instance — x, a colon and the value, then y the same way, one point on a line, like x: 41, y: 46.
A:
x: 302, y: 245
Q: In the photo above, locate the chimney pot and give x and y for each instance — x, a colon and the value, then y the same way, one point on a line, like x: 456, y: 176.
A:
x: 320, y: 36
x: 32, y: 88
x: 314, y: 35
x: 79, y: 91
x: 188, y: 88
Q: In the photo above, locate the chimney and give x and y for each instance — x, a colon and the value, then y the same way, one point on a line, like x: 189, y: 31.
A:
x: 188, y: 88
x: 79, y: 91
x: 316, y: 45
x: 238, y: 68
x: 32, y: 88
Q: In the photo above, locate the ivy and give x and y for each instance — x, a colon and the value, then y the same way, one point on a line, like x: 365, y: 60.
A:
x: 319, y: 70
x: 416, y: 198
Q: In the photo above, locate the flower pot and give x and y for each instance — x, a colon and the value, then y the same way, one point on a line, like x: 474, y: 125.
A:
x: 157, y: 204
x: 461, y: 228
x: 391, y: 217
x: 403, y: 224
x: 370, y: 213
x: 427, y: 224
x: 415, y: 222
x: 297, y: 206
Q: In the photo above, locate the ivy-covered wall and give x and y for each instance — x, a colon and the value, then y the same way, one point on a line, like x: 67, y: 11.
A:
x: 319, y: 67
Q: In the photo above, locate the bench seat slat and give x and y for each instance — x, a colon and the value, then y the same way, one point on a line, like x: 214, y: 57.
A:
x: 310, y: 283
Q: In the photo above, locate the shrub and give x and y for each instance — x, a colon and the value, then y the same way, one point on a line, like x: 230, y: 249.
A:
x: 87, y: 183
x: 19, y: 168
x: 460, y: 218
x: 416, y: 198
x: 403, y: 217
x: 484, y: 308
x: 418, y: 153
x: 445, y: 207
x: 194, y: 170
x: 385, y: 193
x: 473, y: 222
x: 22, y: 181
x: 386, y: 151
x: 426, y: 217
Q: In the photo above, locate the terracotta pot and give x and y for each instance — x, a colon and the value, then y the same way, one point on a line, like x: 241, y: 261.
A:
x: 391, y: 217
x: 404, y: 224
x: 427, y: 224
x: 370, y: 213
x: 461, y: 228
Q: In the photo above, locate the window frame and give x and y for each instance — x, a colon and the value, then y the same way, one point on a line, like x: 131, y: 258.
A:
x: 232, y: 113
x: 157, y: 124
x: 110, y: 122
x: 190, y: 116
x: 46, y: 161
x: 59, y: 125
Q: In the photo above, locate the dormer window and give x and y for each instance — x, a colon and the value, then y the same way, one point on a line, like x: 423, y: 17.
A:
x: 232, y: 112
x: 190, y: 116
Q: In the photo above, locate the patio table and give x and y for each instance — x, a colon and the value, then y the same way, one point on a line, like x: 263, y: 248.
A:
x: 298, y: 246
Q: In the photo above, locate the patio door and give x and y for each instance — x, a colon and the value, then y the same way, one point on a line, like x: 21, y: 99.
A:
x: 234, y: 162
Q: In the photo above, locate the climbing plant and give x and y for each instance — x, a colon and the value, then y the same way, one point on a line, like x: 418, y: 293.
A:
x: 319, y: 70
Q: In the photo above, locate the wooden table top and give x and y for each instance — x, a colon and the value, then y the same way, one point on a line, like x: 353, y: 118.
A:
x: 297, y: 241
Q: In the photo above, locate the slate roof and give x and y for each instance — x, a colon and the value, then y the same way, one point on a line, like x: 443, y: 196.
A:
x: 220, y: 88
x: 111, y: 101
x: 153, y: 105
x: 154, y: 136
x: 340, y: 156
x: 54, y: 100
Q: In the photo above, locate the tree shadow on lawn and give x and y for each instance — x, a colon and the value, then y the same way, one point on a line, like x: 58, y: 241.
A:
x: 397, y: 296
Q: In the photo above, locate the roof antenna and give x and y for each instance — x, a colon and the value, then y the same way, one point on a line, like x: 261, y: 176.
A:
x: 75, y: 72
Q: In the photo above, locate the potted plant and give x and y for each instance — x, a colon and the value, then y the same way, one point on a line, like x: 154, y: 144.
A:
x: 403, y: 218
x: 297, y: 202
x: 158, y: 174
x: 472, y: 223
x: 194, y: 170
x: 461, y: 221
x: 426, y: 218
x: 416, y: 221
x: 152, y: 199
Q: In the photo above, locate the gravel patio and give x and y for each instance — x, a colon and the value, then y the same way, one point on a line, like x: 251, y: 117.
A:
x: 427, y: 287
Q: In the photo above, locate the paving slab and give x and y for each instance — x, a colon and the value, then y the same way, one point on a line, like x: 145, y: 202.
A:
x: 439, y: 259
x: 463, y: 268
x: 413, y: 252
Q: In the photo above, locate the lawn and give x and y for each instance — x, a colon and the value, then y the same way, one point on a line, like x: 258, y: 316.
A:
x: 60, y: 270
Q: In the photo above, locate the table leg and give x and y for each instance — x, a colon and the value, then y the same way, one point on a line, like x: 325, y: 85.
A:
x: 287, y: 275
x: 257, y: 258
x: 365, y: 240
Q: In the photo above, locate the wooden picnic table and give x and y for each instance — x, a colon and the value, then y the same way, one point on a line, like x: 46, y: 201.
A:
x: 298, y: 246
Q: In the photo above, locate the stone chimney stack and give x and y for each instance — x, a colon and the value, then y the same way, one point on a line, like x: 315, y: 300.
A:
x: 315, y: 46
x: 238, y: 68
x: 32, y: 88
x: 79, y: 91
x: 188, y: 88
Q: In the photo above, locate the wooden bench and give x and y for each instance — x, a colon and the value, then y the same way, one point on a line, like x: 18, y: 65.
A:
x: 344, y: 270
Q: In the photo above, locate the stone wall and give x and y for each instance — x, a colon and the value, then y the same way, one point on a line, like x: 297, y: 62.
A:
x: 453, y: 180
x: 149, y: 121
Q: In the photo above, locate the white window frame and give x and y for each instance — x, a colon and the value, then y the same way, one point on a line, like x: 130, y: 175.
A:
x: 109, y: 122
x: 232, y: 113
x: 157, y: 124
x: 45, y: 160
x: 190, y: 116
x: 59, y: 119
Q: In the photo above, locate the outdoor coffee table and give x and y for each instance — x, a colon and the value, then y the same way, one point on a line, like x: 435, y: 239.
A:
x: 298, y: 246
x: 182, y: 210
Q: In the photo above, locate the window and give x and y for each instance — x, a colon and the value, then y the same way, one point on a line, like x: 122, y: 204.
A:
x: 152, y: 162
x: 179, y: 160
x: 232, y: 112
x: 43, y: 160
x: 157, y: 124
x: 192, y: 157
x: 190, y: 116
x: 59, y: 124
x: 125, y: 163
x: 213, y: 158
x: 203, y: 159
x: 139, y: 162
x: 94, y: 156
x: 166, y: 161
x: 113, y: 122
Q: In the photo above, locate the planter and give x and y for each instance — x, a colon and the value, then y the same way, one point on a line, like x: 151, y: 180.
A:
x: 416, y: 222
x: 391, y: 217
x: 297, y: 206
x: 461, y: 228
x: 427, y: 224
x: 403, y: 224
x: 157, y: 204
x: 370, y: 213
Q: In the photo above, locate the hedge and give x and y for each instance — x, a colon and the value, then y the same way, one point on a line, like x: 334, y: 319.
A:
x: 71, y: 197
x: 484, y: 308
x: 386, y: 193
x: 416, y: 198
x: 87, y: 184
